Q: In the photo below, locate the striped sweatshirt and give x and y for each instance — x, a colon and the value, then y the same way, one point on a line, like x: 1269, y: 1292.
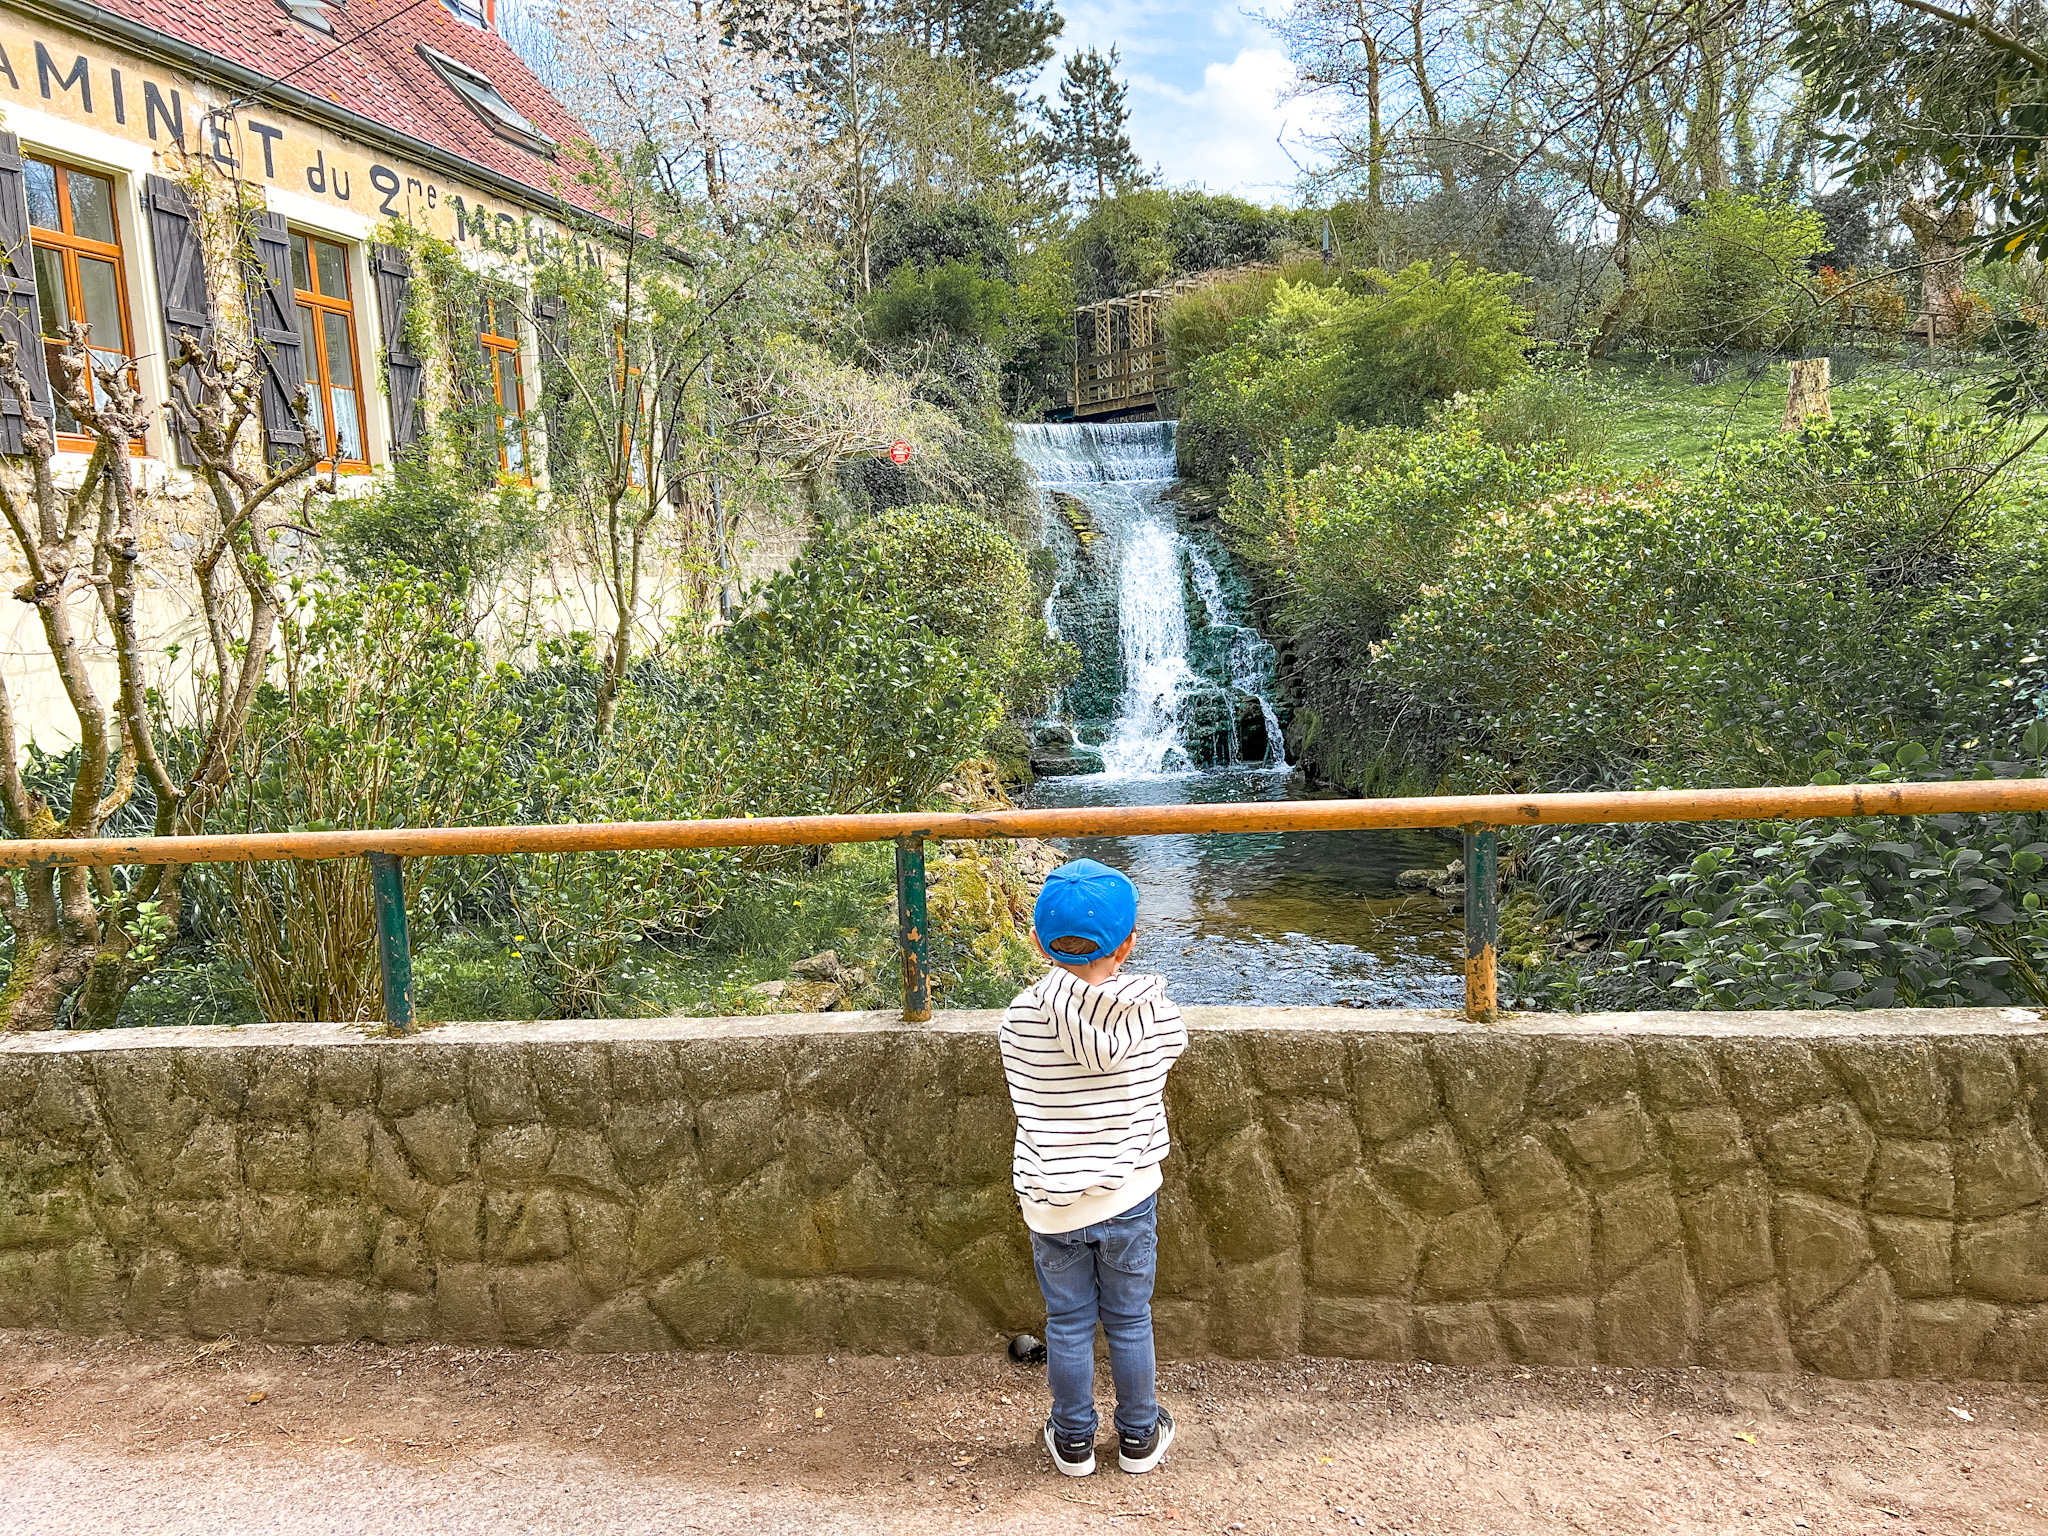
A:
x: 1087, y: 1071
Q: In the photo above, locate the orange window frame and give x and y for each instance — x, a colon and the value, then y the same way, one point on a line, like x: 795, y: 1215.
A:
x: 70, y: 245
x: 498, y: 345
x: 319, y: 376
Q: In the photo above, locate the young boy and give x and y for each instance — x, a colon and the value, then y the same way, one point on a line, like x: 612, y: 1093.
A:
x: 1086, y: 1054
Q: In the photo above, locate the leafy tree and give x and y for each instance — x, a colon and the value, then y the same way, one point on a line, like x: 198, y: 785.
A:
x: 1427, y: 335
x: 954, y: 298
x: 1731, y: 273
x: 928, y: 233
x: 1087, y: 133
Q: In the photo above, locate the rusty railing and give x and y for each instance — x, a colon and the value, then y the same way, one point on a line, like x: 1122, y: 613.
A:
x: 1478, y: 817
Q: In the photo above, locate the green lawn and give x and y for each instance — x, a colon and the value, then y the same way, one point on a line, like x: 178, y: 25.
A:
x: 1654, y: 412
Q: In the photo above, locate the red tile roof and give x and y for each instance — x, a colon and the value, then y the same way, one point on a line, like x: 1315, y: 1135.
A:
x: 372, y: 67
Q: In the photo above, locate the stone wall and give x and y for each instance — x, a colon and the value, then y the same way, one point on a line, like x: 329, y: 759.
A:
x: 1857, y: 1195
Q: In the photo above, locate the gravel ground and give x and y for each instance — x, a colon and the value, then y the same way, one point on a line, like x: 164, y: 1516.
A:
x: 144, y: 1438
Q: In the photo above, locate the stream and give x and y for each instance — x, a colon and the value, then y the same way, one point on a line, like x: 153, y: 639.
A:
x: 1176, y: 704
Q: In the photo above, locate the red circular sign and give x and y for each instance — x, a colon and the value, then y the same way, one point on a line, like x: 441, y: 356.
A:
x: 899, y: 452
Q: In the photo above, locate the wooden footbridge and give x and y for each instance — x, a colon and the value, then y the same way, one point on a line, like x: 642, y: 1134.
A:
x: 1120, y: 365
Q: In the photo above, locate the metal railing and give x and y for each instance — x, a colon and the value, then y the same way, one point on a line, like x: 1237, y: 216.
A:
x: 1478, y: 817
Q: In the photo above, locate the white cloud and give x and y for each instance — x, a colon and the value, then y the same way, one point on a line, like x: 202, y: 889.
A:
x: 1232, y: 133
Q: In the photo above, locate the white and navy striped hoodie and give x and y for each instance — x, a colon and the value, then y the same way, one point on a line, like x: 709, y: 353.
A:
x: 1087, y: 1069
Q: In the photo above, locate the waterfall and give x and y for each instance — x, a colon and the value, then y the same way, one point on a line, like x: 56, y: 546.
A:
x: 1173, y: 679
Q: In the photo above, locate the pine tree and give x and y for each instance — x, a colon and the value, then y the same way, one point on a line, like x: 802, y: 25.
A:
x: 1087, y: 138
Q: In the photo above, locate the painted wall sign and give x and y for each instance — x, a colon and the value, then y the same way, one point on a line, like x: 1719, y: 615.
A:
x: 86, y: 81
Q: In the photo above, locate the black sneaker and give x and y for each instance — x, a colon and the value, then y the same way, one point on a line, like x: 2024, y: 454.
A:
x: 1136, y: 1453
x: 1076, y: 1458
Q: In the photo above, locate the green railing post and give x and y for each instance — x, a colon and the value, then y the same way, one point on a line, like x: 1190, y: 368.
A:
x: 394, y: 944
x: 910, y: 929
x: 1482, y: 923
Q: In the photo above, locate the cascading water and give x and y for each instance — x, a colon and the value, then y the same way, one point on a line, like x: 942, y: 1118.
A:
x: 1166, y: 686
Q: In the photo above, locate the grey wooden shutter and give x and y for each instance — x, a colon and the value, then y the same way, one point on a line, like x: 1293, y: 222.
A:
x: 180, y: 261
x: 276, y: 317
x: 20, y: 321
x: 403, y: 368
x: 551, y: 331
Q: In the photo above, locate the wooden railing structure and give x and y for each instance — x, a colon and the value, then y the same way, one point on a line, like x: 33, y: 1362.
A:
x: 1478, y: 817
x: 1120, y: 346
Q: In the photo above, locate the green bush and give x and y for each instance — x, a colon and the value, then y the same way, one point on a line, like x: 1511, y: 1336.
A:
x: 1274, y: 384
x: 429, y: 517
x: 1424, y: 335
x: 954, y: 298
x: 1732, y: 274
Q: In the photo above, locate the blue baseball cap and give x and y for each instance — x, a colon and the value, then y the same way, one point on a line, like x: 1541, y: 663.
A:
x: 1085, y: 900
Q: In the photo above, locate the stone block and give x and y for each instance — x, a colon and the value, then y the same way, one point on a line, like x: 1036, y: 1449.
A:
x: 1291, y: 1062
x: 1209, y: 1093
x: 1522, y: 1174
x: 648, y: 1140
x: 1826, y: 1148
x: 148, y: 1111
x: 1255, y: 1309
x: 541, y: 1302
x: 765, y: 1227
x: 1850, y: 1335
x: 1248, y: 1210
x: 1555, y: 1332
x: 1464, y: 1254
x: 705, y: 1307
x: 312, y: 1312
x: 17, y: 1081
x: 1180, y: 1330
x: 454, y: 1229
x: 1647, y: 1316
x: 838, y: 1075
x: 280, y: 1082
x: 1746, y: 1332
x: 1898, y: 1084
x: 975, y: 1141
x: 270, y: 1229
x: 277, y: 1157
x: 910, y: 1103
x: 994, y: 1274
x: 207, y: 1167
x: 340, y: 1148
x: 1943, y: 1338
x: 439, y: 1142
x: 217, y: 1078
x: 583, y: 1161
x: 28, y: 1290
x: 539, y: 1230
x: 1551, y: 1252
x: 159, y: 1294
x: 793, y: 1317
x: 574, y: 1080
x: 903, y: 1317
x: 227, y: 1303
x: 1728, y: 1229
x: 1576, y: 1074
x: 1916, y: 1250
x: 514, y: 1154
x: 971, y: 1066
x: 501, y: 1090
x: 1458, y: 1335
x: 625, y: 1325
x: 824, y: 1151
x: 417, y: 1075
x: 333, y: 1240
x: 1611, y: 1141
x: 1428, y: 1170
x: 400, y: 1262
x: 397, y: 1317
x: 1678, y: 1074
x: 205, y: 1231
x: 739, y: 1135
x: 1312, y: 1137
x: 2018, y: 1349
x: 1822, y: 1246
x: 466, y: 1304
x: 676, y: 1223
x: 1999, y: 1171
x: 953, y: 1218
x: 1705, y: 1146
x: 1768, y: 1078
x: 393, y: 1184
x: 89, y: 1287
x: 1484, y: 1080
x: 1185, y: 1262
x: 869, y: 1231
x: 1631, y: 1222
x: 2005, y: 1259
x: 1392, y: 1091
x: 717, y: 1069
x: 645, y: 1072
x: 1361, y: 1239
x: 1983, y: 1080
x: 345, y: 1076
x: 1913, y: 1178
x: 1350, y: 1328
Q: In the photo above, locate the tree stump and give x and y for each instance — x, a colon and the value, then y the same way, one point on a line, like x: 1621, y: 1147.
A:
x: 1807, y: 396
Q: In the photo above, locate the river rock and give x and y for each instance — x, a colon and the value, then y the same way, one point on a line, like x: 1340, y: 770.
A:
x: 1448, y: 881
x: 1253, y: 743
x: 823, y: 966
x: 1064, y: 762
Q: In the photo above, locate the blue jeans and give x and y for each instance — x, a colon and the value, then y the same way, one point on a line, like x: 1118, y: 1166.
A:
x: 1101, y: 1273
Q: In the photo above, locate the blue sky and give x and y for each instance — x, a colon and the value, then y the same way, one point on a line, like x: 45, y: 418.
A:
x: 1204, y: 79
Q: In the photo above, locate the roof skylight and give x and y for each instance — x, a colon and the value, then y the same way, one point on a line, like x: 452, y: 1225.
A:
x: 487, y: 101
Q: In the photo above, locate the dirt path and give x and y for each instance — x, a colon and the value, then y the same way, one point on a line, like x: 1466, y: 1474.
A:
x: 156, y: 1437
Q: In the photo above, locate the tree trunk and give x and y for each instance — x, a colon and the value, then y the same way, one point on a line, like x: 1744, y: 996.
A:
x: 1939, y: 236
x: 1806, y: 397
